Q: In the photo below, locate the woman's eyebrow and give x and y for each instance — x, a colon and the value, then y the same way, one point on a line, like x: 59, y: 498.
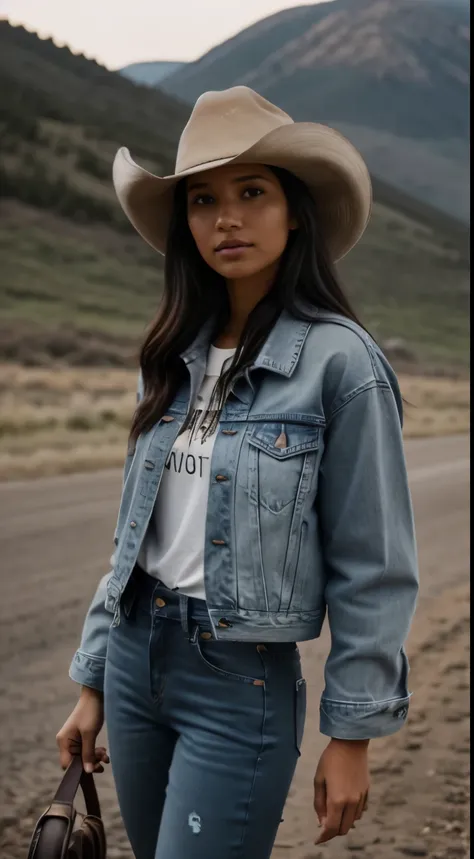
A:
x: 250, y: 178
x: 200, y: 185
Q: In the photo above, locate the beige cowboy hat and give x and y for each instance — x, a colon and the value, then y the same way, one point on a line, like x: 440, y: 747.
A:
x: 239, y: 125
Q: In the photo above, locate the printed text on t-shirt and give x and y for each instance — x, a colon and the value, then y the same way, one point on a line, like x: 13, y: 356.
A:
x: 190, y: 463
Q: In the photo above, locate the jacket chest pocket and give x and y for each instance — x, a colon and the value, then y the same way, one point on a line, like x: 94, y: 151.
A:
x: 277, y: 463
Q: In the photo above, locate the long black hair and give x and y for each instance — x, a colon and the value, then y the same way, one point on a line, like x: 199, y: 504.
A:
x: 195, y: 293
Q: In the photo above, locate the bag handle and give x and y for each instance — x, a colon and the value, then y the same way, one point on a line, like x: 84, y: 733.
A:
x: 74, y: 776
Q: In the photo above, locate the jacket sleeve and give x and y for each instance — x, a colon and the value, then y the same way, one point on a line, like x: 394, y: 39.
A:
x: 370, y: 554
x: 88, y: 663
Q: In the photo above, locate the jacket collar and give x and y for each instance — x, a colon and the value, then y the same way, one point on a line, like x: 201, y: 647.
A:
x: 200, y: 345
x: 279, y: 354
x: 282, y: 349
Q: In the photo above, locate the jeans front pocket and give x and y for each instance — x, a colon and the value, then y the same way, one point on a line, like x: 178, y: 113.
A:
x: 300, y: 712
x: 232, y: 660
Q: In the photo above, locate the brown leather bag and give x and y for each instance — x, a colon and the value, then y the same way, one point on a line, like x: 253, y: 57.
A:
x: 61, y: 832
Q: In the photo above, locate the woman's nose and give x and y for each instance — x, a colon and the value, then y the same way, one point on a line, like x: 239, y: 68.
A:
x: 228, y: 219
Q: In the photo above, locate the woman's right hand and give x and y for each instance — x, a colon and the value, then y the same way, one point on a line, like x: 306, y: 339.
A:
x: 79, y: 733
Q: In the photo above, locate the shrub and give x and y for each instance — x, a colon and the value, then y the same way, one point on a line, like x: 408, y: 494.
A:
x: 80, y: 422
x: 92, y: 164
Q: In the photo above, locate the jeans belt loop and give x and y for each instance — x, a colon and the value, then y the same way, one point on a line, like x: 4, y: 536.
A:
x: 184, y: 612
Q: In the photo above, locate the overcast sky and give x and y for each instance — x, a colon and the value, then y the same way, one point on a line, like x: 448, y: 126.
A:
x: 117, y: 32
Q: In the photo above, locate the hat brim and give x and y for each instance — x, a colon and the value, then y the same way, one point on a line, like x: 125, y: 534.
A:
x: 324, y: 159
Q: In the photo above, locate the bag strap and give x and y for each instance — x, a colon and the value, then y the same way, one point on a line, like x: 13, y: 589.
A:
x: 73, y: 777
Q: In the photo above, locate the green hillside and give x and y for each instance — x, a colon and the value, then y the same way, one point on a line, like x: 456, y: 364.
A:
x: 78, y: 285
x: 62, y: 118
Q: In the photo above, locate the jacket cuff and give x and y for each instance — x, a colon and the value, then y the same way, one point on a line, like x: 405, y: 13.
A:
x: 367, y: 721
x: 88, y: 670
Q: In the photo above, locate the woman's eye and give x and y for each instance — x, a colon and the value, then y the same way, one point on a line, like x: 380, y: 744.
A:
x: 203, y: 199
x: 207, y: 199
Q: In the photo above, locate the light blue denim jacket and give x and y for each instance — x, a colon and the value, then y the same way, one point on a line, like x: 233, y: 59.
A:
x: 320, y: 522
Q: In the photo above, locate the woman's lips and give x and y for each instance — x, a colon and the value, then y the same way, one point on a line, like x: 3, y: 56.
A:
x: 233, y: 252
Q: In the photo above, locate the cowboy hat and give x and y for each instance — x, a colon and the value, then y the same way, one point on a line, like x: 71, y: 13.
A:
x: 239, y: 125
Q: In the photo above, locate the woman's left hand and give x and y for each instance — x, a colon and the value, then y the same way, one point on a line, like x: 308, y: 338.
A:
x: 341, y: 787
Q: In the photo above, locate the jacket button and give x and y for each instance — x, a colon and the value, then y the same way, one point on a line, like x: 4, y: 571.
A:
x: 160, y: 602
x: 219, y: 542
x: 221, y: 478
x: 167, y: 418
x: 224, y: 623
x: 229, y: 432
x: 206, y: 635
x: 133, y: 524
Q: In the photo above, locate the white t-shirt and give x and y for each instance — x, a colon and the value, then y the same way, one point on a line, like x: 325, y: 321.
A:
x: 173, y: 548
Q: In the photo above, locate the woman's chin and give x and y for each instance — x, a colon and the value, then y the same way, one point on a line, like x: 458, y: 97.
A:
x: 236, y: 269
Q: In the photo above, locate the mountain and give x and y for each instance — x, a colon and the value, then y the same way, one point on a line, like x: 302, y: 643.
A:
x: 392, y: 74
x: 150, y: 73
x: 78, y: 285
x: 41, y: 81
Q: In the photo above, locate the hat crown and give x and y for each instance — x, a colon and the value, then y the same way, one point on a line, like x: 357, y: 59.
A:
x: 225, y: 123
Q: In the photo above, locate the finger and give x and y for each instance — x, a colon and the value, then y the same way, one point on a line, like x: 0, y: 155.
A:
x: 101, y: 755
x: 320, y: 799
x: 360, y: 807
x: 65, y: 755
x: 99, y: 764
x: 348, y: 818
x: 332, y: 823
x: 88, y: 751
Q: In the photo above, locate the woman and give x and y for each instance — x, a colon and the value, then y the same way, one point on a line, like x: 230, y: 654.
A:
x: 265, y: 481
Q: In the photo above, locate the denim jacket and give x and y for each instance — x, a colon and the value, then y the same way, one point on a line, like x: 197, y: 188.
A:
x: 319, y: 523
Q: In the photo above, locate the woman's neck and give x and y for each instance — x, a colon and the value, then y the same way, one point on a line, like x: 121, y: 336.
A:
x: 244, y: 295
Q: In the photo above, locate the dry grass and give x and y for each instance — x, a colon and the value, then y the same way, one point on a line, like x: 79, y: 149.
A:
x: 435, y: 406
x: 67, y: 419
x: 63, y: 420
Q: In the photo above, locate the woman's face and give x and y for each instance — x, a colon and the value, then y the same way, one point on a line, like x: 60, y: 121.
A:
x: 241, y: 205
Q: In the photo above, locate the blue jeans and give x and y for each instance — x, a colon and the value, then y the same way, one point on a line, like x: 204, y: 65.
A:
x: 204, y: 735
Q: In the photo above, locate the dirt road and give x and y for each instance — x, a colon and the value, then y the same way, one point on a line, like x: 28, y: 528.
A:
x: 55, y: 540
